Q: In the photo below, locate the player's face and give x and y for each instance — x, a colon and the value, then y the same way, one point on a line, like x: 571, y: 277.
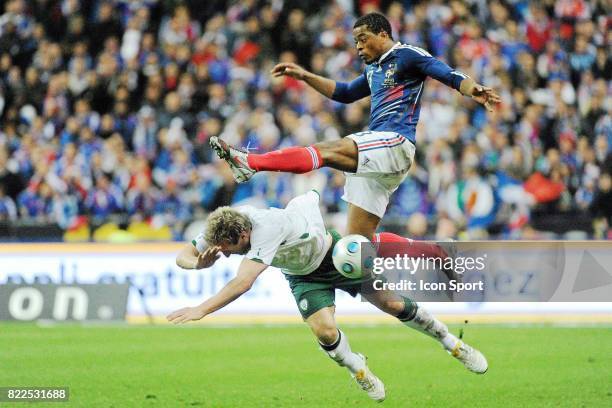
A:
x: 240, y: 248
x: 370, y: 46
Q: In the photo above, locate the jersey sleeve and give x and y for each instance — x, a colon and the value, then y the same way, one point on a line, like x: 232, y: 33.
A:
x: 412, y: 58
x: 199, y: 243
x: 347, y: 92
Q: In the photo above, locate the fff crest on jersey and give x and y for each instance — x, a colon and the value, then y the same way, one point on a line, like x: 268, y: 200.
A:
x: 390, y: 76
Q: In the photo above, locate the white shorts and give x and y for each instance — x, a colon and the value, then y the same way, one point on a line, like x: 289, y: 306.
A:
x: 384, y: 159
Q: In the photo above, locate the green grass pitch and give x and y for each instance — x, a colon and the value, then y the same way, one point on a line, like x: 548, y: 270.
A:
x: 281, y: 366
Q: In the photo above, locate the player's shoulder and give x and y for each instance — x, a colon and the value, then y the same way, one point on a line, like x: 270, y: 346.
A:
x: 263, y: 220
x: 410, y: 51
x: 254, y: 212
x: 199, y: 242
x: 246, y: 209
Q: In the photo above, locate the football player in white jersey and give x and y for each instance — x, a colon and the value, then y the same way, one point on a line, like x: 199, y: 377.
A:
x: 296, y: 241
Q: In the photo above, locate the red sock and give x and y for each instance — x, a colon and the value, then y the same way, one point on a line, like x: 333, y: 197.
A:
x: 290, y: 160
x: 396, y: 245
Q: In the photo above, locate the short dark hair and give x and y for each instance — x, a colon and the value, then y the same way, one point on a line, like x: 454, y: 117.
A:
x: 376, y: 23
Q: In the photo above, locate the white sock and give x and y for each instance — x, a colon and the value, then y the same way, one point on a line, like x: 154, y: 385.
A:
x: 424, y: 322
x: 340, y: 352
x: 449, y: 341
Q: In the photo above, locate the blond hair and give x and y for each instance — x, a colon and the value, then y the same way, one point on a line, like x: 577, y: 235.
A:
x: 224, y: 225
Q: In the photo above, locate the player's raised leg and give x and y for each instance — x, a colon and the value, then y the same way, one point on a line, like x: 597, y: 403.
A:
x: 335, y: 343
x: 368, y: 193
x: 340, y: 155
x: 384, y: 159
x: 414, y: 316
x: 390, y: 245
x: 360, y: 221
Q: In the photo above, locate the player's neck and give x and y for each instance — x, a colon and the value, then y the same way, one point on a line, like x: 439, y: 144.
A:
x: 386, y: 47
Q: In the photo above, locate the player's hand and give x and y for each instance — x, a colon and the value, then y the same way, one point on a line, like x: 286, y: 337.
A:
x: 207, y: 258
x: 485, y: 96
x: 289, y: 69
x: 185, y: 315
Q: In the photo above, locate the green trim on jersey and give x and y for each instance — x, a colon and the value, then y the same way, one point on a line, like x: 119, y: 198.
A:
x: 194, y: 243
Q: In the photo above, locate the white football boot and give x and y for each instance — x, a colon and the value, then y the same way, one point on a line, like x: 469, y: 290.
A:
x: 236, y: 158
x: 369, y: 382
x: 471, y: 358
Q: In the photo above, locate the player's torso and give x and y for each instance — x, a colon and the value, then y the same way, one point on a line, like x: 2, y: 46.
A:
x: 304, y: 243
x: 395, y: 93
x: 303, y: 255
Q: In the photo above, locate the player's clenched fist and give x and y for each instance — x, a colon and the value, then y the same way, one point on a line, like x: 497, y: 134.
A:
x: 289, y: 69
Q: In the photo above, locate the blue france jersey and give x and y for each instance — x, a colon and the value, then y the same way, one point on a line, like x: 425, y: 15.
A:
x: 395, y: 83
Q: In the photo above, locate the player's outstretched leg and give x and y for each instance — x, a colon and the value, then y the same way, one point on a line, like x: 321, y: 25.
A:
x: 335, y: 343
x: 414, y: 316
x: 426, y: 323
x: 340, y: 155
x: 393, y: 245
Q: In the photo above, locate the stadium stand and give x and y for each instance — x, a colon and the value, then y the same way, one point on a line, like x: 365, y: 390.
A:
x: 107, y: 107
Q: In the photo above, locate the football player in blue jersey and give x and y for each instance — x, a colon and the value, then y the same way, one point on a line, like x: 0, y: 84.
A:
x: 375, y: 161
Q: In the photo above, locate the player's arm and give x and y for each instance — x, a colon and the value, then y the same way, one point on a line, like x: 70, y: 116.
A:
x: 440, y: 71
x: 482, y: 94
x: 339, y: 91
x: 191, y: 258
x: 248, y: 272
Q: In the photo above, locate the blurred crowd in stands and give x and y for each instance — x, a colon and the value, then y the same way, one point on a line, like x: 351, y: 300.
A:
x: 107, y: 107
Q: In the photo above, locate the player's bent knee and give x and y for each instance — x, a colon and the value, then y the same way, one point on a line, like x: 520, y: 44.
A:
x: 326, y: 149
x: 326, y: 334
x: 394, y: 307
x: 337, y: 152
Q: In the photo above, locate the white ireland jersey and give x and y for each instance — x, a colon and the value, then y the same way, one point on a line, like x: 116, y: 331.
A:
x: 293, y: 239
